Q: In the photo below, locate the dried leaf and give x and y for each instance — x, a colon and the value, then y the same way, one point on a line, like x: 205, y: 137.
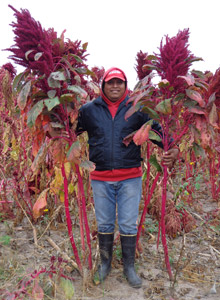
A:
x: 39, y: 159
x: 67, y: 287
x: 57, y: 184
x: 58, y: 151
x: 74, y: 153
x: 40, y: 204
x: 88, y: 165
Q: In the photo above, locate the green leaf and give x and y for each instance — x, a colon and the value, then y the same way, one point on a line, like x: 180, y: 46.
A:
x: 78, y: 90
x: 67, y: 287
x: 77, y: 58
x: 132, y: 110
x: 195, y: 59
x: 65, y: 59
x: 151, y: 57
x: 5, y: 240
x: 164, y: 107
x: 154, y: 136
x: 179, y: 97
x: 34, y: 113
x: 83, y: 70
x: 197, y: 186
x: 190, y: 103
x: 199, y: 151
x: 51, y: 103
x: 55, y: 78
x: 53, y: 83
x: 153, y: 161
x: 163, y: 83
x: 200, y: 74
x: 22, y: 98
x: 17, y: 80
x: 147, y: 67
x: 51, y: 94
x: 58, y: 75
x: 66, y: 98
x: 152, y: 113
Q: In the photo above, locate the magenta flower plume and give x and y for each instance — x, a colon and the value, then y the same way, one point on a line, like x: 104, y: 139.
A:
x: 174, y: 59
x: 10, y: 68
x: 32, y: 48
x: 97, y: 75
x: 142, y: 60
x: 214, y: 87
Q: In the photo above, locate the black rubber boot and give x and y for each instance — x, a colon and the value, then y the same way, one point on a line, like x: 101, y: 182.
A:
x: 105, y: 248
x: 128, y: 244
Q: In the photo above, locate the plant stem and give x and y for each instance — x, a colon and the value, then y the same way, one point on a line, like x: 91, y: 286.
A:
x: 147, y: 200
x: 81, y: 189
x: 68, y: 219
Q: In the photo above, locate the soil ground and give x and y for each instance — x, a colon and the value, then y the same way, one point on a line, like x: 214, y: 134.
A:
x: 194, y: 258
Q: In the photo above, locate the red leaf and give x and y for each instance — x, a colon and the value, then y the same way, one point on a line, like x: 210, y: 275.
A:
x: 128, y: 138
x: 196, y: 110
x: 37, y: 292
x: 142, y: 134
x: 194, y: 95
x: 213, y: 116
x: 189, y: 79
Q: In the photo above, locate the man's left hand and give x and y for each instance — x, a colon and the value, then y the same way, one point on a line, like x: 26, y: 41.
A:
x: 169, y: 157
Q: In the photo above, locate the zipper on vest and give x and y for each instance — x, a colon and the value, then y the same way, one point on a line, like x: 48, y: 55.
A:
x: 112, y: 154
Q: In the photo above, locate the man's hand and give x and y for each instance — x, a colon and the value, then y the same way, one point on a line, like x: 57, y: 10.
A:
x: 170, y: 157
x: 58, y: 132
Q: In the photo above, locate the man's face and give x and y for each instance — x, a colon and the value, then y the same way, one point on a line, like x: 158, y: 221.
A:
x: 114, y: 89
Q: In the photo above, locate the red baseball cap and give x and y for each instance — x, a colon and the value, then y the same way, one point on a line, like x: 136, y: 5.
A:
x: 114, y: 73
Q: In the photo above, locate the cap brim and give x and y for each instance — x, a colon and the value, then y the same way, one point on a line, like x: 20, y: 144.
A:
x: 119, y: 76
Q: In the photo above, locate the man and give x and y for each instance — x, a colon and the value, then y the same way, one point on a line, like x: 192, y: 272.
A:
x: 117, y: 177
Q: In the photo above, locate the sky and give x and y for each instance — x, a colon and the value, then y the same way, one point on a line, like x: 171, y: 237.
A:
x: 116, y: 30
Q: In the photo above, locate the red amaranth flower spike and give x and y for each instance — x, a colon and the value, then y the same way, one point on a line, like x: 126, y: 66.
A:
x: 174, y: 59
x: 10, y: 68
x: 142, y: 60
x: 97, y: 75
x: 214, y: 87
x: 32, y: 48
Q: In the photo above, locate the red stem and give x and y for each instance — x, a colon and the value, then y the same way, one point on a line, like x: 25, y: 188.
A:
x: 164, y: 198
x: 147, y: 200
x: 68, y: 219
x: 81, y: 190
x: 163, y: 227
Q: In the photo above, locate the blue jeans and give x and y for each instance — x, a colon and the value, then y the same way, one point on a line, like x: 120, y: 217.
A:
x: 126, y: 194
